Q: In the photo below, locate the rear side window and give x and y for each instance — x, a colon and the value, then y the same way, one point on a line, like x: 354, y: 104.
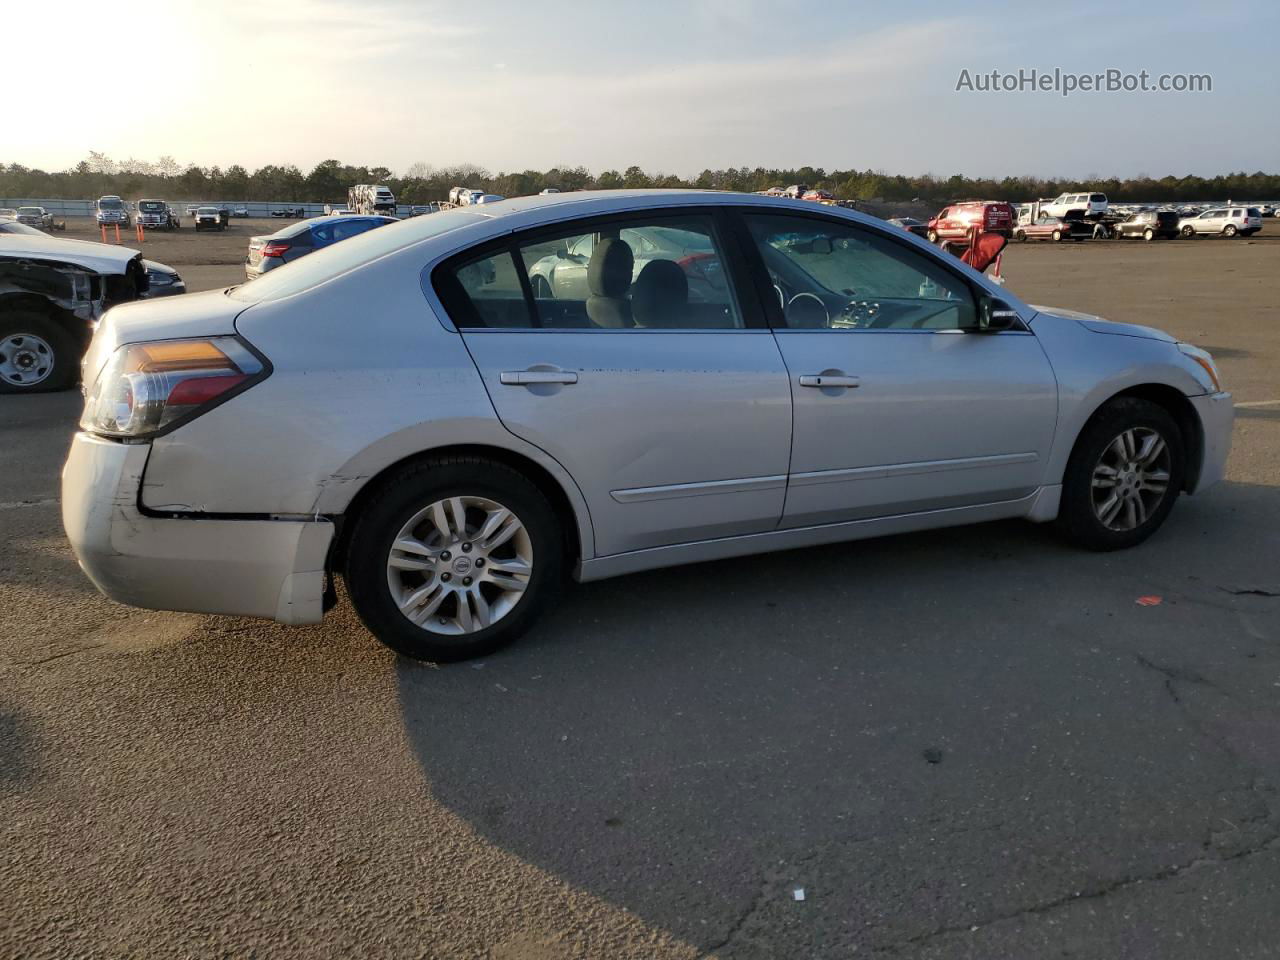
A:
x: 655, y: 272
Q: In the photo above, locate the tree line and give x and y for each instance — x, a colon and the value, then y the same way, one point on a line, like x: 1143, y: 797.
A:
x: 99, y: 175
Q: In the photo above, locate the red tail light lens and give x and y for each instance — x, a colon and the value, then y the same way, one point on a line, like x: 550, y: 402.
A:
x: 275, y: 248
x: 148, y: 388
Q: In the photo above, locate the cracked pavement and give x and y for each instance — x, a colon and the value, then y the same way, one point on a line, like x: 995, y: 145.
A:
x: 972, y: 743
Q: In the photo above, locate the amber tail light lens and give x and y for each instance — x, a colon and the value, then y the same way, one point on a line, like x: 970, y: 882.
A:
x: 149, y: 388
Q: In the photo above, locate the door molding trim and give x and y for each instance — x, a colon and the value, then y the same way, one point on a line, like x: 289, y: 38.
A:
x: 908, y: 469
x: 672, y: 491
x: 725, y: 547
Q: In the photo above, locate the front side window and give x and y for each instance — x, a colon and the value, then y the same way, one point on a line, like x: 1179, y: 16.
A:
x: 838, y: 276
x: 653, y: 272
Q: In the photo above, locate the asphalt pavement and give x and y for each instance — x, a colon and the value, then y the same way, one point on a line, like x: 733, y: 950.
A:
x: 974, y: 743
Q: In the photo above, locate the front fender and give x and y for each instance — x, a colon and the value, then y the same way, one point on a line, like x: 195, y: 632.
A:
x: 1094, y: 367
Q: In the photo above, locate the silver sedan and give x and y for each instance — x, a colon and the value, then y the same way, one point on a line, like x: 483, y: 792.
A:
x: 404, y: 411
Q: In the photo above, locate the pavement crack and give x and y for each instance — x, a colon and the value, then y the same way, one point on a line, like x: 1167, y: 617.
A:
x: 64, y: 653
x: 1271, y: 842
x: 736, y: 926
x: 1250, y: 592
x: 1173, y: 675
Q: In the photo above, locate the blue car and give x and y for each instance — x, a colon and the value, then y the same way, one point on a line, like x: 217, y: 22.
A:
x: 299, y: 239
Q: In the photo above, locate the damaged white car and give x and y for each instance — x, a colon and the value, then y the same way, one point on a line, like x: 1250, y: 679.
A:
x: 52, y: 292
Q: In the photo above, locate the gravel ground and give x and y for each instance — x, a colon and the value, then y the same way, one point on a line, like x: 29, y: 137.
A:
x: 970, y: 743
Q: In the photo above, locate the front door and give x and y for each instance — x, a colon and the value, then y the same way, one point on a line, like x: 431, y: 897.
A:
x: 896, y: 409
x: 671, y: 414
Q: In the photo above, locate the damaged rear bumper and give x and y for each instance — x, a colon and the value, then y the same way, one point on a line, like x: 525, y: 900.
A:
x: 257, y: 568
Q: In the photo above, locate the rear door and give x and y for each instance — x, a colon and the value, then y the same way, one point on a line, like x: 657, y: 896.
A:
x: 661, y: 391
x: 896, y: 409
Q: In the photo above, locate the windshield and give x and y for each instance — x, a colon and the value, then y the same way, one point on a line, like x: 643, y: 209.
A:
x: 109, y: 204
x: 328, y: 263
x: 151, y: 206
x: 208, y: 210
x: 33, y: 210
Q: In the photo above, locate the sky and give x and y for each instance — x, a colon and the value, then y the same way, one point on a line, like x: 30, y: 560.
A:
x: 675, y: 86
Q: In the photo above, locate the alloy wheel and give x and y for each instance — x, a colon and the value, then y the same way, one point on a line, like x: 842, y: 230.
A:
x: 1131, y: 479
x: 460, y: 565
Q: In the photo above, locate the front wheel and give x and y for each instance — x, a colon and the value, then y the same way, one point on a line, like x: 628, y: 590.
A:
x: 1057, y: 235
x: 932, y: 236
x: 36, y: 354
x: 1148, y: 235
x: 1123, y: 476
x: 1229, y: 230
x: 1020, y: 236
x: 453, y: 558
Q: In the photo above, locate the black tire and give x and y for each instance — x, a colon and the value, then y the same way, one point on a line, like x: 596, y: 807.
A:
x: 932, y: 236
x: 415, y: 486
x: 1188, y: 232
x: 1057, y: 235
x: 1077, y: 519
x: 1020, y: 236
x: 1148, y: 235
x: 1117, y: 233
x: 59, y: 351
x: 1229, y: 230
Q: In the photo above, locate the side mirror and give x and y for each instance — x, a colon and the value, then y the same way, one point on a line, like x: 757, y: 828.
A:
x: 994, y: 315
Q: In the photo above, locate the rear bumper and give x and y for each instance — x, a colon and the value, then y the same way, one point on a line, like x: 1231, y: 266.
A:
x: 1217, y: 418
x: 254, y: 568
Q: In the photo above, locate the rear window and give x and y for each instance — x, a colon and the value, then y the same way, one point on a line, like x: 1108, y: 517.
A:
x: 328, y: 263
x: 1097, y: 198
x: 1255, y: 212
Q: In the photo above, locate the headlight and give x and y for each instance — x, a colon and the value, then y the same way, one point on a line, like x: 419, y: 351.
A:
x: 148, y: 388
x: 1204, y: 360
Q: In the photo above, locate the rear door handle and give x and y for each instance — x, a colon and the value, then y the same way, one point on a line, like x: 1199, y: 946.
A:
x: 827, y: 380
x: 523, y: 378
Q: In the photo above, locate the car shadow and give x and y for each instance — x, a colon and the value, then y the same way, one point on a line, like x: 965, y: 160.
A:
x: 919, y: 731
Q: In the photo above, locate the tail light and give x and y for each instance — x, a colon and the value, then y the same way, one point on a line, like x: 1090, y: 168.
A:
x: 273, y: 248
x: 147, y: 389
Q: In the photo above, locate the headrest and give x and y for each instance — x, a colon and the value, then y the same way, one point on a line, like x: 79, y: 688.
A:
x: 659, y: 295
x: 609, y: 270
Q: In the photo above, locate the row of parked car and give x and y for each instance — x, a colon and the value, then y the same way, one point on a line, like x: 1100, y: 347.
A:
x: 1080, y: 217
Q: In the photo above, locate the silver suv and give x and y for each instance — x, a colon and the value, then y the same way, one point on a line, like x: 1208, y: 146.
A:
x: 1228, y: 221
x: 405, y: 411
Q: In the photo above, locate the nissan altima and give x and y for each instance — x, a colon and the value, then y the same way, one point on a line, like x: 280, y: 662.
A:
x: 408, y: 411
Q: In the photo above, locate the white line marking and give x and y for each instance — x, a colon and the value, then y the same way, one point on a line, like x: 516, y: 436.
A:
x: 1259, y: 403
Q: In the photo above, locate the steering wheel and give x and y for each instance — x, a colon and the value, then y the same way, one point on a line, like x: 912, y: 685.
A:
x: 806, y: 310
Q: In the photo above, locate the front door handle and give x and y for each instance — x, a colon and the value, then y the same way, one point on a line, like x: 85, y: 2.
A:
x: 523, y: 378
x: 828, y: 380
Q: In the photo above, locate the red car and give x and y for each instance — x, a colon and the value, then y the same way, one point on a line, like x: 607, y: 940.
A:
x: 955, y: 222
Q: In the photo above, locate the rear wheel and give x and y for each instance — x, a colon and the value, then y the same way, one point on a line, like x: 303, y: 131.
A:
x: 1123, y: 476
x: 36, y: 354
x: 1057, y: 235
x: 453, y: 558
x: 1188, y: 232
